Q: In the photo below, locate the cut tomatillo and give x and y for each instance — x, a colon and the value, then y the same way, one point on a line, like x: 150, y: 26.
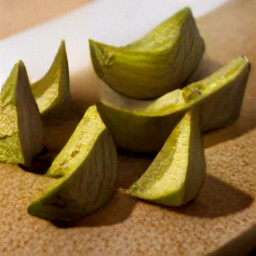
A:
x: 177, y: 173
x: 140, y: 126
x: 52, y: 92
x: 86, y: 170
x: 220, y: 95
x: 143, y: 126
x: 21, y: 130
x: 157, y: 63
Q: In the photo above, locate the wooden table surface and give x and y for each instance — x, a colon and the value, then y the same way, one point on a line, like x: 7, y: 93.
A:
x: 16, y: 16
x: 222, y: 219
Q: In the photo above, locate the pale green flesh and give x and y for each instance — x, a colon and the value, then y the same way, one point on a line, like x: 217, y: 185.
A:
x: 87, y: 170
x: 170, y: 102
x: 158, y: 63
x: 10, y: 149
x: 21, y: 135
x: 8, y: 116
x: 143, y: 126
x: 79, y: 145
x: 52, y: 91
x: 174, y: 177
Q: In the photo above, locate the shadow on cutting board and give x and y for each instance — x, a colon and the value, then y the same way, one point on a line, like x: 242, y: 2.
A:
x: 117, y: 210
x: 216, y: 199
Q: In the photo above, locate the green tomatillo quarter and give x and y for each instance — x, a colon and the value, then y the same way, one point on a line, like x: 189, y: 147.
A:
x: 85, y: 172
x: 177, y: 173
x: 21, y: 130
x: 159, y: 62
x: 52, y: 92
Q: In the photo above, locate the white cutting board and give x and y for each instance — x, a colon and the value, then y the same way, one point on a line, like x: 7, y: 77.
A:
x: 116, y: 22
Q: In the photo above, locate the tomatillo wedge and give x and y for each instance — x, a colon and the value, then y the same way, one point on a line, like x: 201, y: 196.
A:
x: 52, y: 92
x: 140, y: 126
x: 177, y: 173
x: 86, y: 170
x: 143, y: 126
x: 21, y: 129
x: 157, y: 63
x: 220, y: 95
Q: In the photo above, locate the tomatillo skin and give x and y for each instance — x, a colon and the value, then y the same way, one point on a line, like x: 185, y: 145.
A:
x: 159, y: 62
